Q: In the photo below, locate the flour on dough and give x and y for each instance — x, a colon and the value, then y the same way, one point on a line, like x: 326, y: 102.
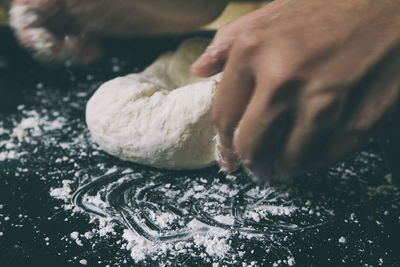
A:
x: 160, y: 117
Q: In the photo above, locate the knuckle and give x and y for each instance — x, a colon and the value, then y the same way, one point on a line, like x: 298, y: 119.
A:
x: 221, y: 32
x: 323, y: 108
x: 284, y: 57
x: 323, y: 115
x: 287, y: 63
x: 249, y: 41
x: 224, y: 35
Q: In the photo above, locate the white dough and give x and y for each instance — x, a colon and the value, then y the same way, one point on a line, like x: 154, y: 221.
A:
x: 160, y: 117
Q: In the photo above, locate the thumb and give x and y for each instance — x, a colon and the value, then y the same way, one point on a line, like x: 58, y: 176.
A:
x: 213, y: 58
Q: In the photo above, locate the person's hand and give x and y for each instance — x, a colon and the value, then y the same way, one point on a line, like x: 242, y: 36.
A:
x: 305, y: 83
x: 71, y: 29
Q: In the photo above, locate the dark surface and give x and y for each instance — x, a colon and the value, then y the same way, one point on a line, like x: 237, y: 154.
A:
x: 356, y: 187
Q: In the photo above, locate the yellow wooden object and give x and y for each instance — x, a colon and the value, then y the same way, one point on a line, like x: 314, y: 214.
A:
x: 233, y: 11
x: 3, y: 18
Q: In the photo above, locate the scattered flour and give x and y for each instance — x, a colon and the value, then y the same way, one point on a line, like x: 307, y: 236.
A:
x: 213, y: 241
x: 63, y: 192
x: 215, y: 244
x: 164, y: 220
x: 265, y: 210
x: 33, y: 124
x: 225, y: 219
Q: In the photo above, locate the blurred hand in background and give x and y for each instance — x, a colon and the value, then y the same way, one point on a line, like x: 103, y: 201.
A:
x: 73, y: 29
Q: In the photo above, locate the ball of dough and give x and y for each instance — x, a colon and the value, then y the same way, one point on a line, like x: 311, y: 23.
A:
x: 160, y: 117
